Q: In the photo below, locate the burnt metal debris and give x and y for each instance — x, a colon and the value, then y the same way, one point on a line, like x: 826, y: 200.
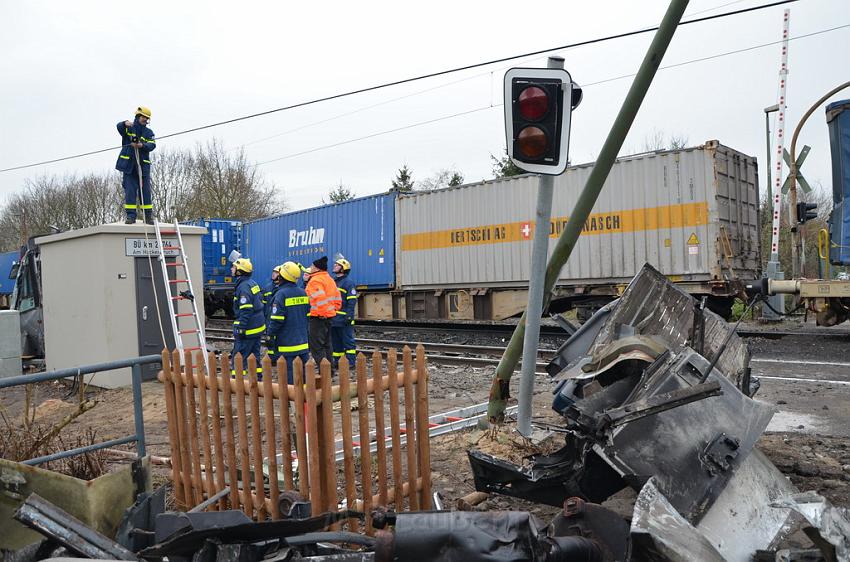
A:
x: 656, y: 394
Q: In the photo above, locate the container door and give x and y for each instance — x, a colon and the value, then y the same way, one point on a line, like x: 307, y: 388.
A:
x: 147, y: 320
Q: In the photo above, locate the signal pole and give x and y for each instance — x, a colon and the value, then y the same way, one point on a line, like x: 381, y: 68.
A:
x: 774, y: 268
x: 539, y: 252
x: 607, y: 155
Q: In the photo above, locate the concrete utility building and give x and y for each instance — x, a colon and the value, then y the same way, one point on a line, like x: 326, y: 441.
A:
x: 98, y: 288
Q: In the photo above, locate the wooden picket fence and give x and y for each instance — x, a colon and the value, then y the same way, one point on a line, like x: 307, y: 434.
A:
x: 216, y: 443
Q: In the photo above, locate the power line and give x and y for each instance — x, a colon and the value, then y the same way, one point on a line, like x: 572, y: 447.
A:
x: 413, y: 79
x: 606, y: 80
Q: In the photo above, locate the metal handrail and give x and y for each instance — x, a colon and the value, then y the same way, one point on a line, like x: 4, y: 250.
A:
x: 135, y: 364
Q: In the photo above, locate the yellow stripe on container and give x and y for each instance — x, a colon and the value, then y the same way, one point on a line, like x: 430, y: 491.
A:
x: 629, y: 220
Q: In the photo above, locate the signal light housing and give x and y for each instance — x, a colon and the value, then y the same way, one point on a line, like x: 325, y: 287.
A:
x: 538, y: 106
x: 806, y: 212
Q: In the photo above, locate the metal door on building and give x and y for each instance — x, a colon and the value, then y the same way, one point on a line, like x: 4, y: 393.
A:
x: 147, y: 319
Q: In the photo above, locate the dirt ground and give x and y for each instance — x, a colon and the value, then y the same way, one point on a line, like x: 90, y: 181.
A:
x: 812, y: 456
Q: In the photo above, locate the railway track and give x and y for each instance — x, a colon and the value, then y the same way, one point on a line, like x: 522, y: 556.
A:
x: 546, y: 330
x: 445, y: 353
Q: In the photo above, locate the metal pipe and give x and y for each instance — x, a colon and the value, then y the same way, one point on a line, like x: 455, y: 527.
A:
x: 138, y: 414
x: 81, y: 450
x: 651, y: 61
x: 539, y: 251
x: 75, y: 372
x: 797, y: 241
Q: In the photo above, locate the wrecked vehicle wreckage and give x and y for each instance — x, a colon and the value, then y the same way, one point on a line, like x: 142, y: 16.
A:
x: 655, y: 394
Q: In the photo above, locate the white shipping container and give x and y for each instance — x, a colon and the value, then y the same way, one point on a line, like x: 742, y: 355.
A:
x: 691, y: 213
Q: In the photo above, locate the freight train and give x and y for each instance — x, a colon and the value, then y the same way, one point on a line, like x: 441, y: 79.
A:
x: 463, y: 253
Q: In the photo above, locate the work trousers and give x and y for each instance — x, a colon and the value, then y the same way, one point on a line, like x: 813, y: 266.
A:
x: 342, y: 338
x: 246, y: 346
x: 131, y: 193
x: 290, y: 359
x: 319, y: 339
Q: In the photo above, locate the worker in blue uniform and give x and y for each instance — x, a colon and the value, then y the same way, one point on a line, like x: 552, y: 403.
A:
x: 249, y: 320
x: 136, y: 139
x: 268, y: 295
x: 342, y: 326
x: 287, y: 331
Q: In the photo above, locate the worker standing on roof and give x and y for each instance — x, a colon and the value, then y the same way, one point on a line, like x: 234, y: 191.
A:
x: 249, y: 320
x: 136, y: 140
x: 287, y: 326
x: 268, y: 295
x: 342, y: 326
x: 324, y: 302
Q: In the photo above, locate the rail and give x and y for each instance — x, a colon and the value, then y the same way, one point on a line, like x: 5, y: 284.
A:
x: 135, y: 364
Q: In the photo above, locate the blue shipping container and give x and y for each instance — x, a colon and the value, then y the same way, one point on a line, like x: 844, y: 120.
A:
x: 6, y: 261
x: 222, y: 237
x: 361, y: 230
x: 838, y: 122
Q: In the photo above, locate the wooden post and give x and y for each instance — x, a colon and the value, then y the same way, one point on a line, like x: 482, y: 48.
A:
x: 327, y: 437
x: 244, y: 454
x: 182, y: 427
x: 347, y: 447
x: 204, y: 421
x: 285, y: 431
x: 423, y: 437
x: 410, y: 430
x: 395, y: 428
x: 301, y: 430
x: 173, y: 435
x: 271, y: 441
x: 216, y: 429
x: 380, y: 426
x: 316, y: 488
x: 198, y: 483
x: 228, y: 428
x: 365, y: 454
x: 257, y: 440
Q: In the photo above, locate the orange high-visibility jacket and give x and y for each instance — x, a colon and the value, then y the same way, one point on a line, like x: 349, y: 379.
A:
x: 324, y: 296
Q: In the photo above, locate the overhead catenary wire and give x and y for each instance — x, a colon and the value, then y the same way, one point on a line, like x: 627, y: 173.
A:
x: 484, y: 108
x: 412, y: 79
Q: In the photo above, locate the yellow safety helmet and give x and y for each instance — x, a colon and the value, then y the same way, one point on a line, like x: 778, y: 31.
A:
x: 289, y: 271
x: 344, y: 264
x: 244, y: 265
x: 142, y: 110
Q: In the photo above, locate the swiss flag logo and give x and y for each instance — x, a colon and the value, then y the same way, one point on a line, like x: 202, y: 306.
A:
x: 525, y: 229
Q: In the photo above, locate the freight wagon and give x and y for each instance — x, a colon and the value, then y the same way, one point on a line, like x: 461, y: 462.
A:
x: 465, y: 252
x: 222, y: 237
x: 361, y: 230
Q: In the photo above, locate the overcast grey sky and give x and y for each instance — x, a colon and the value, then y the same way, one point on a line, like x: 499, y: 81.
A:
x: 71, y: 70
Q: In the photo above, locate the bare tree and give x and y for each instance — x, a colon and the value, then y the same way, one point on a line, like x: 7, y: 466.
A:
x: 655, y: 140
x: 173, y: 179
x: 66, y: 203
x: 227, y: 185
x: 447, y: 177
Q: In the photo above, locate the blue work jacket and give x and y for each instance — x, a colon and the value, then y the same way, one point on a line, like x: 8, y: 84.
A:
x: 348, y: 292
x: 127, y: 158
x: 249, y: 320
x: 288, y: 319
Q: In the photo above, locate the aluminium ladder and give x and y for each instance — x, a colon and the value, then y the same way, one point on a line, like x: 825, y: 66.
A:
x: 174, y: 297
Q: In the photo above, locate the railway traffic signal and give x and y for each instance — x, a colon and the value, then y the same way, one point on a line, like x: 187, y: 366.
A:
x: 806, y: 212
x: 538, y: 105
